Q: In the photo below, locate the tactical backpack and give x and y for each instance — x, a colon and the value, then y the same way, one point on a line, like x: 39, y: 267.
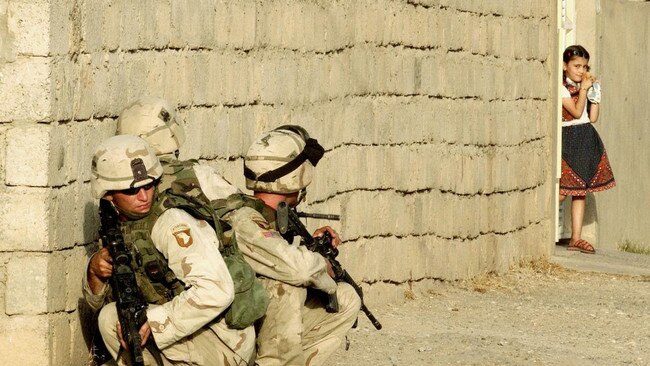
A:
x: 180, y: 189
x: 251, y: 298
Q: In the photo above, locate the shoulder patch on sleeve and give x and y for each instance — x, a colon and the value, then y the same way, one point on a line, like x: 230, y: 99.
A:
x: 261, y: 222
x: 183, y: 235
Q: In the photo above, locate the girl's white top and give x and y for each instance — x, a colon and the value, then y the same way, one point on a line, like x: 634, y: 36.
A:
x: 584, y: 118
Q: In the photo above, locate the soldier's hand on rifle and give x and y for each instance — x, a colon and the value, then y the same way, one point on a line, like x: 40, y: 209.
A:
x: 336, y: 241
x: 99, y: 270
x: 145, y: 332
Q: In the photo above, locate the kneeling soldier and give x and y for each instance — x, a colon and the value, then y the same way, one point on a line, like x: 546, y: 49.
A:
x: 296, y: 330
x: 179, y: 269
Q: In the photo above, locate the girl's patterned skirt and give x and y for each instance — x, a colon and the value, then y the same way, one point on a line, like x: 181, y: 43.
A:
x: 585, y: 167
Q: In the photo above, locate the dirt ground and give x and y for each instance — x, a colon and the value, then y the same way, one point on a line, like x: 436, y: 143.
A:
x: 540, y: 313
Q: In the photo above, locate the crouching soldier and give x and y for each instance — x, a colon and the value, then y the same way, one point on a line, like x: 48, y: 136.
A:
x: 175, y: 257
x: 296, y: 330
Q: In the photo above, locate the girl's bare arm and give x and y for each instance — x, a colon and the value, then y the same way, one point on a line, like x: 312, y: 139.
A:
x: 576, y: 108
x: 594, y: 111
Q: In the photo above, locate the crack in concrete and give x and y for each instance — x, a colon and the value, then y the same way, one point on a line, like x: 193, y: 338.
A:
x: 455, y: 238
x: 405, y: 193
x: 355, y: 96
x: 443, y: 143
x: 262, y: 49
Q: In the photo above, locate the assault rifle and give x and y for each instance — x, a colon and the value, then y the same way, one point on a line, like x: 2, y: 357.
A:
x: 131, y: 306
x: 288, y: 221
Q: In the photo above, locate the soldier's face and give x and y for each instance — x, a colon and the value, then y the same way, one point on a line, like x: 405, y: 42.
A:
x: 292, y: 199
x: 133, y: 205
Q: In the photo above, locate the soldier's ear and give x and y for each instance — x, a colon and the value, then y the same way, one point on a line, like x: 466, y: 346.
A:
x: 108, y: 197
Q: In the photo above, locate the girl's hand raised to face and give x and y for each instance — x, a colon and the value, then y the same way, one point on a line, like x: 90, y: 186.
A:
x: 586, y: 81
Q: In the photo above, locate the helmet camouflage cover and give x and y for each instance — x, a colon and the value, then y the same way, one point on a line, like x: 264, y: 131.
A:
x: 282, y: 160
x: 123, y: 162
x: 154, y: 120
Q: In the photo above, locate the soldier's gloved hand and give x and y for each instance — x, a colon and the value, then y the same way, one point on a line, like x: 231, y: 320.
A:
x: 336, y: 240
x: 145, y: 332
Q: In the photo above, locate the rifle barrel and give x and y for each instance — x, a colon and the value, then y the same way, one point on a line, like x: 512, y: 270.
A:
x: 319, y: 216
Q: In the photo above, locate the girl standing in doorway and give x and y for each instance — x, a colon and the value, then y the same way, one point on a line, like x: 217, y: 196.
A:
x: 585, y: 167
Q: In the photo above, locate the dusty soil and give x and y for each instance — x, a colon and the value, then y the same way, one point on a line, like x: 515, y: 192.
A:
x: 540, y: 313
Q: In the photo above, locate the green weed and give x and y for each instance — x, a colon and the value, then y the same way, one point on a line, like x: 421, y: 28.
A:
x: 631, y: 247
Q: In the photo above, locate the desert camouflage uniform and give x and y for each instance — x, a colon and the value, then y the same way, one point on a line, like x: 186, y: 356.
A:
x: 296, y: 329
x: 187, y: 329
x: 211, y: 183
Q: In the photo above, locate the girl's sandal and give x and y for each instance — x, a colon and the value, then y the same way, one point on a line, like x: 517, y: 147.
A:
x: 583, y: 246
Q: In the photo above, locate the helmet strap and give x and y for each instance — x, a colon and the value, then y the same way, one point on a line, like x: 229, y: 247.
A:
x: 313, y: 152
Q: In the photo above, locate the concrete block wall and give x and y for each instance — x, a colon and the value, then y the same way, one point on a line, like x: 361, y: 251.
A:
x: 436, y: 116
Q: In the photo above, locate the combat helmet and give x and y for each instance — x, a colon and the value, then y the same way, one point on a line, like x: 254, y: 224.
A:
x: 123, y: 162
x: 154, y: 120
x: 282, y: 160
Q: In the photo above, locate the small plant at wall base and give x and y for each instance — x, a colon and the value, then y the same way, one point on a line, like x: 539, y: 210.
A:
x: 631, y: 247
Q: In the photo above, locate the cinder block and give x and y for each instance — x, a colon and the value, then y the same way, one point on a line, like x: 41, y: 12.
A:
x: 97, y: 95
x: 241, y: 25
x: 25, y: 89
x: 341, y: 81
x: 4, y: 258
x: 37, y: 155
x: 132, y: 20
x: 175, y: 82
x: 430, y: 76
x: 26, y: 340
x: 74, y: 216
x: 404, y: 29
x: 57, y: 291
x: 86, y: 68
x: 202, y: 79
x: 87, y: 217
x: 61, y: 337
x: 82, y: 325
x: 3, y: 149
x: 157, y: 27
x: 219, y: 35
x: 7, y: 44
x: 111, y: 25
x: 27, y: 285
x: 75, y: 261
x: 192, y: 121
x: 66, y: 75
x: 133, y: 77
x: 29, y: 22
x: 320, y: 75
x: 365, y: 24
x: 242, y: 86
x: 94, y: 29
x: 65, y: 29
x: 268, y: 78
x: 24, y: 213
x: 494, y: 32
x: 405, y: 69
x: 340, y: 15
